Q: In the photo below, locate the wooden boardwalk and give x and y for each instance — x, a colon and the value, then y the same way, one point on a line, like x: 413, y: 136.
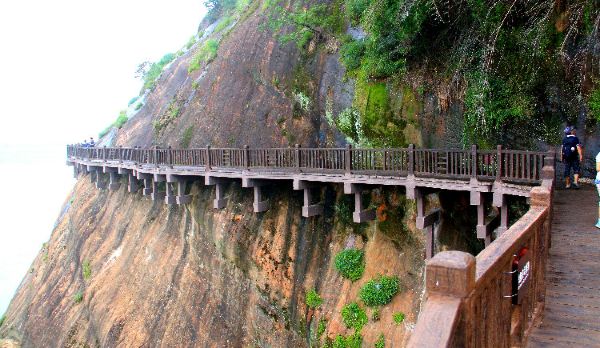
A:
x: 572, y: 313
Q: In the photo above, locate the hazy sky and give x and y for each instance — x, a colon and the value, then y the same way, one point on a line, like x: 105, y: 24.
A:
x: 67, y: 69
x: 68, y: 65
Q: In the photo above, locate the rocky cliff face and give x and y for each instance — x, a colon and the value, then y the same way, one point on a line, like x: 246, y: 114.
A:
x: 121, y: 270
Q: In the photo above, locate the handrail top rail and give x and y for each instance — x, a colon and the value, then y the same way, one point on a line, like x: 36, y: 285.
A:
x: 490, y: 151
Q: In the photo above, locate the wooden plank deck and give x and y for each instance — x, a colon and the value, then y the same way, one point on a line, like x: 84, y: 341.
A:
x: 572, y: 313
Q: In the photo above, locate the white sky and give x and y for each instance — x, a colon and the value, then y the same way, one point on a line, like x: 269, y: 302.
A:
x: 66, y: 69
x: 67, y: 66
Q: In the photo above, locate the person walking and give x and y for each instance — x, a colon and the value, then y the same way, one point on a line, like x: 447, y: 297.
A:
x: 572, y: 156
x: 597, y: 182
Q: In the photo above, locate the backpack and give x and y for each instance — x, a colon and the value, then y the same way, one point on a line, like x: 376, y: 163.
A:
x: 569, y: 148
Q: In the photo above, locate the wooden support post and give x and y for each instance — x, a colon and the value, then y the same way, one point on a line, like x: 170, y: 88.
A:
x: 114, y: 181
x: 450, y: 278
x: 360, y: 214
x: 169, y: 157
x: 503, y: 219
x: 246, y: 157
x: 170, y: 197
x: 308, y: 209
x: 148, y: 187
x: 133, y: 183
x: 426, y: 222
x: 411, y: 160
x: 207, y: 168
x: 259, y: 205
x: 156, y: 156
x: 101, y: 184
x: 156, y: 194
x: 220, y: 201
x: 499, y: 163
x: 182, y: 198
x: 348, y: 159
x: 297, y: 153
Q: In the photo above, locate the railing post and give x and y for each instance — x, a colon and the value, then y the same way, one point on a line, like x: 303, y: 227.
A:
x: 348, y: 156
x: 474, y: 161
x: 246, y: 157
x: 499, y: 163
x: 297, y: 153
x: 411, y: 159
x: 156, y: 156
x: 169, y: 157
x: 120, y: 153
x: 104, y: 153
x: 207, y: 157
x: 449, y: 281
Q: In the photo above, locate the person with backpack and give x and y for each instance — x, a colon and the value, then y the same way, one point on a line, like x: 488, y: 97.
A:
x: 597, y: 182
x: 572, y: 156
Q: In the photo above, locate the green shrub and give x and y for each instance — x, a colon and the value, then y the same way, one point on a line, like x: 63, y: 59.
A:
x: 380, y: 343
x: 351, y: 54
x: 350, y: 263
x: 2, y: 320
x: 355, y: 9
x: 132, y: 100
x: 354, y: 316
x: 321, y: 327
x: 205, y: 54
x: 87, y: 270
x: 187, y: 137
x: 224, y: 23
x: 195, y: 84
x: 313, y: 300
x: 379, y: 291
x: 154, y: 70
x: 78, y: 297
x: 399, y: 318
x: 190, y: 42
x: 139, y: 106
x: 121, y: 120
x: 352, y: 341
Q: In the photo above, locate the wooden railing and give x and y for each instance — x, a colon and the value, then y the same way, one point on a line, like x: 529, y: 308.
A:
x: 500, y: 164
x: 491, y: 300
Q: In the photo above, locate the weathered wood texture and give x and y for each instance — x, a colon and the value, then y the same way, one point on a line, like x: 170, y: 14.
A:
x: 572, y: 310
x: 485, y: 315
x: 500, y: 165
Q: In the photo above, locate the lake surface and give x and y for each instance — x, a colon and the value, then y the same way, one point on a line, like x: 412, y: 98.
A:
x: 35, y: 183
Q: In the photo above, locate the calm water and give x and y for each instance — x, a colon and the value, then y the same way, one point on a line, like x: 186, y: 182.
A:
x: 35, y: 182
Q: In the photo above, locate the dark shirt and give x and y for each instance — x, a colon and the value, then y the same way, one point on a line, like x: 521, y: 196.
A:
x: 570, y: 145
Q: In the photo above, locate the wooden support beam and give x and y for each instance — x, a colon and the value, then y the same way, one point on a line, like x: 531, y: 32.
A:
x: 213, y: 180
x: 182, y: 198
x: 132, y: 184
x: 428, y: 219
x: 100, y: 183
x: 156, y: 194
x: 303, y: 184
x: 503, y: 219
x: 361, y: 215
x: 250, y: 182
x: 476, y: 198
x: 148, y: 186
x: 114, y: 181
x: 259, y: 205
x: 426, y: 222
x: 309, y: 209
x: 160, y: 178
x: 220, y: 201
x: 124, y: 171
x: 108, y: 169
x: 170, y: 196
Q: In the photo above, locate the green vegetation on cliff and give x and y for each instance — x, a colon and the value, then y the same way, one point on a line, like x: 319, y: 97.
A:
x: 350, y: 263
x: 379, y: 291
x: 354, y: 316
